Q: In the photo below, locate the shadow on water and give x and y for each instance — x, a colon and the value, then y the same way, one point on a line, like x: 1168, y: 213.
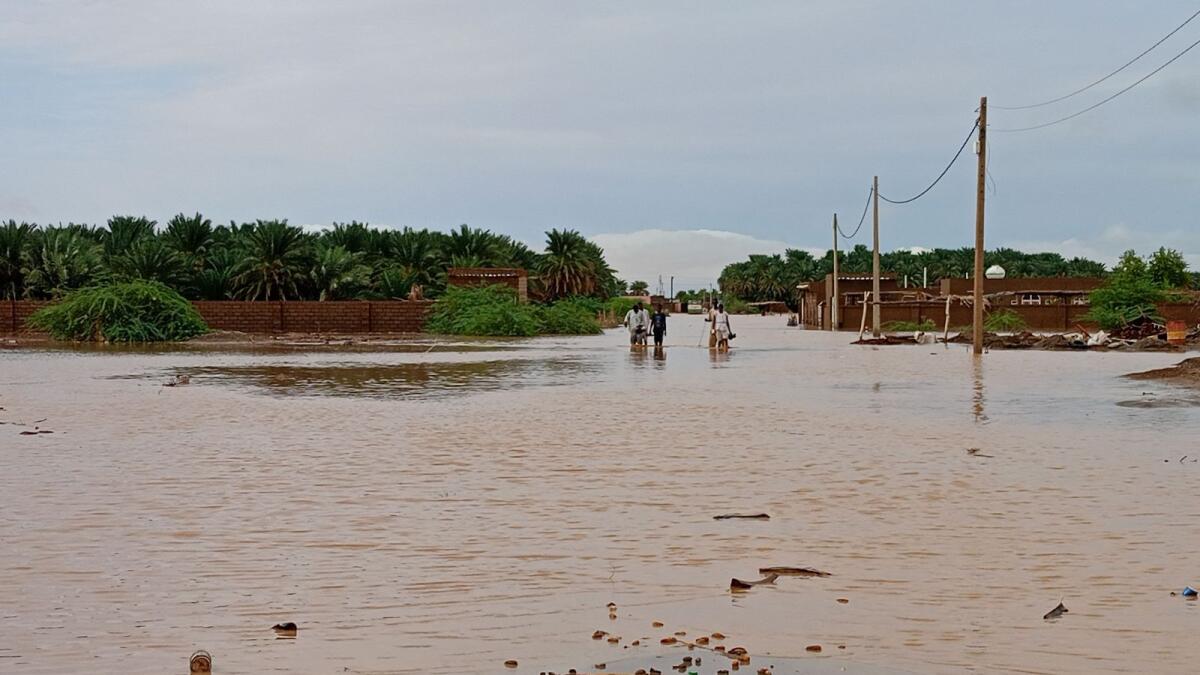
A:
x: 387, y: 381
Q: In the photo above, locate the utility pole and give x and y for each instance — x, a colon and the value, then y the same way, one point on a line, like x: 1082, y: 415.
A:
x: 833, y: 305
x: 977, y: 317
x: 875, y: 263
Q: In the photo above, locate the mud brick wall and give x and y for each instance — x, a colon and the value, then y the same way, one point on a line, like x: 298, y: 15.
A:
x: 13, y: 315
x: 265, y: 318
x: 345, y: 317
x: 246, y: 317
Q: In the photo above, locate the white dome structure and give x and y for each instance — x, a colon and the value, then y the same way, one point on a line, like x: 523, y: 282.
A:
x: 994, y: 272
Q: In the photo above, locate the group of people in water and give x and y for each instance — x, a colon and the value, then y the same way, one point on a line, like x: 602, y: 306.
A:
x: 641, y: 324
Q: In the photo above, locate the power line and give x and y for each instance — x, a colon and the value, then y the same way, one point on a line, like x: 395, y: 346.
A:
x: 860, y: 220
x: 940, y: 175
x: 1097, y: 105
x: 1127, y: 64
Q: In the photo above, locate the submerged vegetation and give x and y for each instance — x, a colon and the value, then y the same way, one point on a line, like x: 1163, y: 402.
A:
x: 496, y: 311
x: 272, y: 260
x: 132, y: 311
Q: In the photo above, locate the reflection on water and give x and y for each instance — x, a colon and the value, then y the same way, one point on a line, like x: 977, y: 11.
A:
x: 405, y: 529
x: 399, y: 380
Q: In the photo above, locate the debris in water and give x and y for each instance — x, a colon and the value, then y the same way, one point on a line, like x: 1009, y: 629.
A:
x: 285, y: 629
x: 200, y: 662
x: 743, y: 516
x: 976, y: 452
x: 736, y: 584
x: 178, y: 381
x: 813, y: 648
x: 511, y: 663
x: 599, y: 635
x: 1056, y: 612
x: 1189, y: 592
x: 794, y: 571
x: 657, y: 624
x: 843, y: 600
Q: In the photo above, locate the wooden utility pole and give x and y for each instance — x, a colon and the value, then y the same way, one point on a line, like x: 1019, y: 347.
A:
x: 875, y: 263
x: 977, y: 317
x: 833, y: 305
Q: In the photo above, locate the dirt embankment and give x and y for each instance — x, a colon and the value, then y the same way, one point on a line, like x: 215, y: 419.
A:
x: 1186, y: 372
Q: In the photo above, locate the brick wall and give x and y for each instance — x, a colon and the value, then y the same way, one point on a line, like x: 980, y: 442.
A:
x: 388, y: 316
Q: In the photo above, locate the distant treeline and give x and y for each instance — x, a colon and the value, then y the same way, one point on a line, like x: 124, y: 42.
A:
x: 775, y: 277
x: 272, y: 260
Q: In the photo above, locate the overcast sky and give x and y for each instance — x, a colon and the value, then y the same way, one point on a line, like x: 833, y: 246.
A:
x: 680, y: 135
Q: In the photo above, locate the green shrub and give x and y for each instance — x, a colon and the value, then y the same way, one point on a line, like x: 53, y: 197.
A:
x: 134, y: 311
x: 495, y: 311
x: 620, y: 306
x: 909, y: 326
x: 573, y: 316
x: 1129, y: 294
x: 737, y: 306
x: 492, y: 310
x: 1004, y: 321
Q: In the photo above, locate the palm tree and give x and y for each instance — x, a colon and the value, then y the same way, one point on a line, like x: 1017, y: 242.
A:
x: 569, y: 266
x: 192, y: 237
x: 14, y: 240
x: 354, y: 237
x: 273, y: 261
x: 123, y: 232
x: 215, y: 281
x: 62, y: 259
x: 468, y: 242
x: 150, y: 258
x: 338, y: 273
x: 639, y: 288
x: 412, y: 258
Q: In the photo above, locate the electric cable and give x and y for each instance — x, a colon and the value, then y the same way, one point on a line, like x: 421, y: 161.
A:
x: 1102, y: 102
x: 860, y: 220
x: 1106, y: 77
x: 942, y: 174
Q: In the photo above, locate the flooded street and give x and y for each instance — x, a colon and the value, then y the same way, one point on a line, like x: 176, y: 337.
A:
x: 445, y: 507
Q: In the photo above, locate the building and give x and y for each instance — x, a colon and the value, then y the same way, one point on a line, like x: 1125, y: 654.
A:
x: 515, y: 278
x: 1045, y: 303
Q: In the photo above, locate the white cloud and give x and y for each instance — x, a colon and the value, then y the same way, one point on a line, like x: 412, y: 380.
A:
x: 693, y: 257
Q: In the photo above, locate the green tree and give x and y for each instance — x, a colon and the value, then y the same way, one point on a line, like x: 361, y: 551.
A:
x: 60, y: 260
x: 273, y: 261
x: 1168, y: 269
x: 123, y: 233
x: 15, y: 240
x: 338, y: 273
x: 151, y: 259
x: 639, y: 288
x: 569, y: 265
x: 1129, y: 295
x: 191, y: 237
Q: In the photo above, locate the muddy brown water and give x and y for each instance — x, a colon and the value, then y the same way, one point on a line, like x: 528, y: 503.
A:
x: 445, y: 510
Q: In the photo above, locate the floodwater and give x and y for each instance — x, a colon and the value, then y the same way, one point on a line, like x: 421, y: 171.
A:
x: 443, y: 507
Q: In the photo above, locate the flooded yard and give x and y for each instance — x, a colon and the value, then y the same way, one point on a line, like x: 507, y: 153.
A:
x: 443, y: 507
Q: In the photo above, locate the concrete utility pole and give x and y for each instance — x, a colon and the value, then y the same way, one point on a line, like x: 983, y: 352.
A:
x: 875, y: 263
x: 833, y: 306
x: 977, y: 317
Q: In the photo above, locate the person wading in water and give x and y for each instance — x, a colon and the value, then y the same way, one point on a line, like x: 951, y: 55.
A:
x: 658, y: 326
x: 637, y: 320
x: 721, y: 329
x: 712, y: 325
